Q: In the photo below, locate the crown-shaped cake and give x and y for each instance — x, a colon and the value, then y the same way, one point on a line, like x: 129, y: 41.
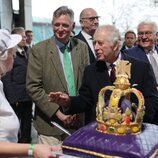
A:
x: 119, y: 115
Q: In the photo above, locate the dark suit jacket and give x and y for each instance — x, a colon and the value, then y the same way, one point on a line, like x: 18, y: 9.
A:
x: 15, y: 81
x: 96, y: 76
x: 45, y: 74
x: 91, y: 55
x: 123, y: 48
x: 138, y: 52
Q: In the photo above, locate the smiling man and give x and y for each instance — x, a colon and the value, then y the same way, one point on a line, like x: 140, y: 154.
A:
x: 146, y: 49
x: 56, y: 64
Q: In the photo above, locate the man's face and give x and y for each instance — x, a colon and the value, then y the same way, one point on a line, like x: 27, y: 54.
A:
x: 104, y: 50
x: 89, y: 22
x: 130, y: 40
x: 23, y: 41
x: 146, y: 36
x: 62, y: 27
x: 29, y: 36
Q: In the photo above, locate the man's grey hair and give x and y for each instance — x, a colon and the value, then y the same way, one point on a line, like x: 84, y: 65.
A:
x: 17, y: 30
x: 151, y: 23
x: 64, y: 10
x: 114, y: 34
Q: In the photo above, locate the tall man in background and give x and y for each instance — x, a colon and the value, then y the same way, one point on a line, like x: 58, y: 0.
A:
x: 89, y: 21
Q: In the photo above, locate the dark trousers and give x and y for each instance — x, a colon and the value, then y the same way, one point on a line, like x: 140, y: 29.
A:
x: 24, y: 112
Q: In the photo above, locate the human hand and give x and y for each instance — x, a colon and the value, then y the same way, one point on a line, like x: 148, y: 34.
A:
x: 60, y: 98
x: 66, y: 119
x: 69, y: 120
x: 73, y: 121
x: 45, y: 151
x: 77, y: 122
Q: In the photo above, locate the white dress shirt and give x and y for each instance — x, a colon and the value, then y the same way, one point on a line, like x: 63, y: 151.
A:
x: 115, y: 63
x: 89, y: 41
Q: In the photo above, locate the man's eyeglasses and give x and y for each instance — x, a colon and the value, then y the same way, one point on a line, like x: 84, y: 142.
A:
x: 147, y: 34
x: 91, y: 19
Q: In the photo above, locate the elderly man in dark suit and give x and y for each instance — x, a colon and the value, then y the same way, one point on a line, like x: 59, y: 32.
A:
x: 97, y: 75
x: 89, y: 21
x: 146, y: 49
x: 56, y: 64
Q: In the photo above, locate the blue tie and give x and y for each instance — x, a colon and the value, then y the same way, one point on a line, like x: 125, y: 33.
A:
x: 69, y: 73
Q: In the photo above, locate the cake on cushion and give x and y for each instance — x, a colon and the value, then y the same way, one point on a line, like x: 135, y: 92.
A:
x: 87, y: 142
x: 118, y: 130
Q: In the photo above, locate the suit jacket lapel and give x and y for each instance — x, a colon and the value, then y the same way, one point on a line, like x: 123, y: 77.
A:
x: 56, y: 63
x: 91, y: 55
x: 102, y: 74
x: 82, y: 37
x: 142, y: 55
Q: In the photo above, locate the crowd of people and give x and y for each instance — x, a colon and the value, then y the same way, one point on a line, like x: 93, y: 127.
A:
x: 63, y: 75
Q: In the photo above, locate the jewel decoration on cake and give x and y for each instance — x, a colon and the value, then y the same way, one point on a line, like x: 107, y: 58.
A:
x: 119, y: 115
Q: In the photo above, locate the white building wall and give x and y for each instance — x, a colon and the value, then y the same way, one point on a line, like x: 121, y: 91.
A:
x: 6, y: 14
x: 28, y: 14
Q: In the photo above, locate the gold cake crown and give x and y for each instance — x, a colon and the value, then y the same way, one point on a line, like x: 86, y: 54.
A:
x: 119, y: 115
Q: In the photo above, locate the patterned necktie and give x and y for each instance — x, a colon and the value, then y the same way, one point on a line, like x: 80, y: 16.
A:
x: 154, y: 65
x: 112, y: 73
x: 69, y: 73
